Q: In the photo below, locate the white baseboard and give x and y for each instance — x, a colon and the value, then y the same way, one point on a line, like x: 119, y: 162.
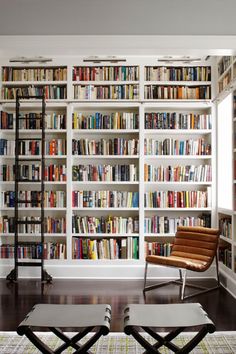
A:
x: 104, y: 272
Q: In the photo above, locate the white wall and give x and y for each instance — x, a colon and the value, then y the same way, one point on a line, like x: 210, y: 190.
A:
x: 117, y: 17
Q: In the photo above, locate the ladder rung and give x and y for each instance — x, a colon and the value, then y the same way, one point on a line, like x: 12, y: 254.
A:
x: 35, y: 159
x: 39, y: 97
x: 27, y: 118
x: 29, y: 222
x: 28, y: 201
x: 23, y: 139
x: 29, y: 264
x: 27, y: 180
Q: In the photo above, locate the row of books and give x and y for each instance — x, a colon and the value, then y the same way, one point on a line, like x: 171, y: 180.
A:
x: 33, y: 120
x: 108, y: 224
x: 225, y: 81
x: 187, y: 173
x: 225, y: 227
x: 176, y: 120
x: 177, y: 199
x: 108, y: 92
x: 98, y: 120
x: 32, y: 199
x: 165, y: 225
x: 7, y: 147
x: 112, y: 73
x: 122, y: 248
x: 31, y: 250
x: 157, y: 249
x: 171, y: 146
x: 223, y: 64
x: 225, y: 256
x: 33, y: 147
x: 51, y: 225
x: 115, y: 173
x: 178, y: 73
x: 105, y: 199
x: 116, y: 146
x: 157, y: 92
x: 105, y: 73
x: 53, y: 173
x: 34, y: 74
x: 53, y: 92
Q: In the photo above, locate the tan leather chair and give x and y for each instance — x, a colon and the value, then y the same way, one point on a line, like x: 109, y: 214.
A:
x: 194, y: 249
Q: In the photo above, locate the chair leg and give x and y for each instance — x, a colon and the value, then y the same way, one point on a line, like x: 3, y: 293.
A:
x: 183, y: 278
x: 180, y: 275
x: 155, y: 286
x: 145, y: 275
x: 217, y: 270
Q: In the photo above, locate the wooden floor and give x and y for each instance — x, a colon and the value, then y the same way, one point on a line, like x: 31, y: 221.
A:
x: 17, y: 299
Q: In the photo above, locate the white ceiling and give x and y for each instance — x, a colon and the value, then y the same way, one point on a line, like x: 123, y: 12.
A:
x: 117, y: 17
x: 117, y: 27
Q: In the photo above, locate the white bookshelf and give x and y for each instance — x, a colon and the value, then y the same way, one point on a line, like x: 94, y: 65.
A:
x: 226, y: 217
x: 120, y: 268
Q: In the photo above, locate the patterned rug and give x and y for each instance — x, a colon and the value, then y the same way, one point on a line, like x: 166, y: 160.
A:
x: 220, y: 342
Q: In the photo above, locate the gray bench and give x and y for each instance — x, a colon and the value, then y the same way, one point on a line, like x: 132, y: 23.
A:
x: 85, y: 318
x: 177, y: 317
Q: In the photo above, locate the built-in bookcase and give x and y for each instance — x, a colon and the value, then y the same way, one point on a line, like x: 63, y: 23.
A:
x: 227, y: 171
x: 226, y: 73
x: 130, y: 149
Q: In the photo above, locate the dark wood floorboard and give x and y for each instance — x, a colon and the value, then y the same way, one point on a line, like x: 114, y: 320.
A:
x: 16, y: 300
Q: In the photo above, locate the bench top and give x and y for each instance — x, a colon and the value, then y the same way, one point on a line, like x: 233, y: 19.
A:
x: 171, y: 315
x: 52, y: 315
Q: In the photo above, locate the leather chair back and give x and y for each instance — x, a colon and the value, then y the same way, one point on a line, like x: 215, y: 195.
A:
x: 197, y: 243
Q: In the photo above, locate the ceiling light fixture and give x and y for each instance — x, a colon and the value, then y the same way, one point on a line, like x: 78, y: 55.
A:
x: 96, y: 59
x: 30, y: 60
x: 170, y: 59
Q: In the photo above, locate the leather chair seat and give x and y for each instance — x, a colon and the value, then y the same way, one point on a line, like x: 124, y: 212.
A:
x: 178, y: 262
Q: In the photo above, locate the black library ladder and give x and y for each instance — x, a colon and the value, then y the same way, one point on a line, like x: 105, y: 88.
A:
x: 19, y: 181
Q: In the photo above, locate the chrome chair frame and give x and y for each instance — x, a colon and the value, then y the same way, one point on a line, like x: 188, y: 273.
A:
x: 182, y: 281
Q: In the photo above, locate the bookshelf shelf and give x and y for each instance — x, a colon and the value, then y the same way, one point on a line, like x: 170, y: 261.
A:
x: 105, y: 157
x: 106, y: 209
x: 33, y: 235
x: 33, y: 131
x: 177, y: 83
x: 33, y: 83
x: 177, y: 209
x: 179, y: 157
x: 226, y: 239
x: 172, y: 101
x: 177, y: 132
x: 35, y: 182
x: 105, y: 131
x: 178, y: 183
x: 150, y: 234
x: 33, y: 209
x: 104, y: 83
x: 106, y: 182
x: 101, y: 235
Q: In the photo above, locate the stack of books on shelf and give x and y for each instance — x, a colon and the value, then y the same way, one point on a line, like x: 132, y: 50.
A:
x: 98, y: 173
x: 116, y: 146
x: 171, y: 146
x: 177, y: 120
x: 157, y: 248
x: 116, y: 120
x: 105, y: 225
x: 122, y: 248
x: 178, y: 199
x: 105, y: 199
x: 187, y: 173
x: 167, y: 225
